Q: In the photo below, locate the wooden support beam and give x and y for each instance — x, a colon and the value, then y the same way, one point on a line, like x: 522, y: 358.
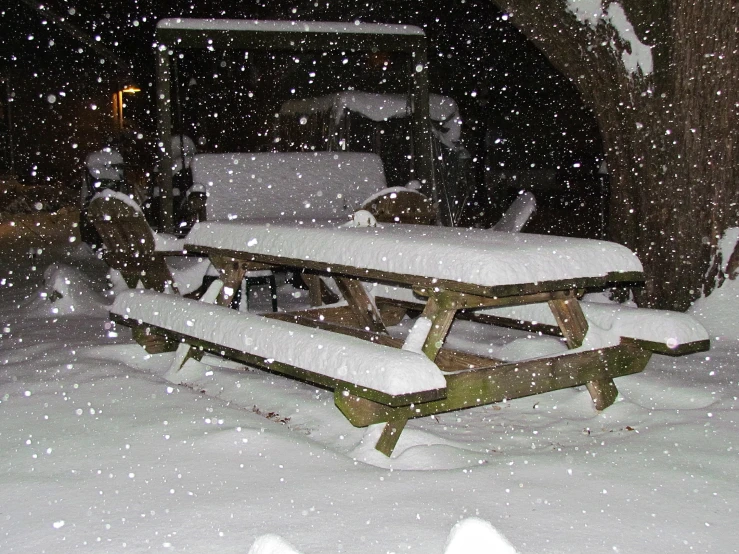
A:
x: 603, y: 392
x: 361, y: 303
x: 570, y: 318
x: 440, y: 309
x: 483, y: 386
x: 313, y: 280
x: 390, y: 435
x: 574, y: 326
x: 231, y: 272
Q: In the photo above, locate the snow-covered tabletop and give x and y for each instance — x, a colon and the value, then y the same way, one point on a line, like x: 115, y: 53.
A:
x: 477, y: 257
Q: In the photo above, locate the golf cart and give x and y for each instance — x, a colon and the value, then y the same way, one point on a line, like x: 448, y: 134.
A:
x: 265, y: 86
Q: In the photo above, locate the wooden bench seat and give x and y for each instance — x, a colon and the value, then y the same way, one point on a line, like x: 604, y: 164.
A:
x: 390, y: 376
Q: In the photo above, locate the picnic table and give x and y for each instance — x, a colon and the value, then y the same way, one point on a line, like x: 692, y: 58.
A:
x: 385, y: 379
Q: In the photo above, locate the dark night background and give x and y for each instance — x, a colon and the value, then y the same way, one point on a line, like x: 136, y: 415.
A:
x: 61, y: 88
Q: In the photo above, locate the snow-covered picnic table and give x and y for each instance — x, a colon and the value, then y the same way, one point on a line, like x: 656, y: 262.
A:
x: 465, y: 260
x: 454, y: 270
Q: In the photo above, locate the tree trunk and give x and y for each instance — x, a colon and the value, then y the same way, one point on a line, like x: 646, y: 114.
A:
x: 669, y: 135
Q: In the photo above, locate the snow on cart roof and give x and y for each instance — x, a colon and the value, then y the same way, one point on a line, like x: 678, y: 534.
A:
x: 378, y: 107
x: 472, y: 256
x: 287, y: 26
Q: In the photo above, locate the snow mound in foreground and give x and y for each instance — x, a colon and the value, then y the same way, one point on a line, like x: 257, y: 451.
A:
x: 477, y: 536
x: 469, y: 536
x: 271, y: 544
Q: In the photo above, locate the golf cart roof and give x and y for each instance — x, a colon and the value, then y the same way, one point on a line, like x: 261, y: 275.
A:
x: 292, y: 35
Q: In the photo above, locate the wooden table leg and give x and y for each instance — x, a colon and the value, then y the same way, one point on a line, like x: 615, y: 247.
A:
x: 362, y: 304
x: 313, y: 281
x: 568, y: 314
x: 390, y: 435
x: 571, y: 320
x: 362, y: 412
x: 440, y: 309
x: 231, y: 273
x: 603, y: 392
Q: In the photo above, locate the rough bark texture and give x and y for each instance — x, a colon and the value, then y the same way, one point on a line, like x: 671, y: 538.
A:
x: 670, y: 137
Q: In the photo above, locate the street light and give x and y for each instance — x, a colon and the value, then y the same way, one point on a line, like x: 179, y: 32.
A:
x: 118, y: 104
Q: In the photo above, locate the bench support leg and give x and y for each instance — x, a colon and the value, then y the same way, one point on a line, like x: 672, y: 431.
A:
x: 440, y: 309
x: 390, y: 435
x: 362, y: 304
x: 574, y: 326
x: 185, y: 351
x: 180, y: 357
x: 603, y: 392
x: 314, y: 288
x: 570, y: 319
x: 231, y: 273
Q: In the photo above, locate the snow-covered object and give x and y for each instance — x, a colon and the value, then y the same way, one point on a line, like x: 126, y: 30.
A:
x: 381, y: 107
x: 638, y: 56
x: 477, y: 536
x: 474, y: 256
x: 288, y: 26
x: 718, y: 311
x: 518, y: 214
x: 286, y: 186
x: 271, y: 544
x: 105, y: 164
x: 671, y: 328
x: 109, y: 193
x: 68, y: 291
x: 188, y: 271
x: 163, y: 242
x: 417, y: 336
x: 183, y: 151
x: 361, y: 218
x: 469, y: 536
x: 349, y: 359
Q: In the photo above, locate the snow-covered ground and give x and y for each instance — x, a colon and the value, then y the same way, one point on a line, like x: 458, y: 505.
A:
x: 98, y: 452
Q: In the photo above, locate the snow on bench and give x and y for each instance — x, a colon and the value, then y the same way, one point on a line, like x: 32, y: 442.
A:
x: 347, y: 359
x: 675, y: 330
x: 323, y: 186
x: 471, y: 256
